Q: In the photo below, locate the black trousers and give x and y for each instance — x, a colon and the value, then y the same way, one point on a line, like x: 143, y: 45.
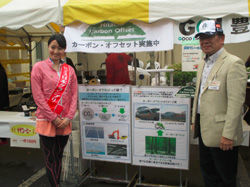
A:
x: 53, y: 148
x: 218, y: 167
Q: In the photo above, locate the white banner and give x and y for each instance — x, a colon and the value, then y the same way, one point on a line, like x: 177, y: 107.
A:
x: 160, y: 127
x: 236, y: 29
x: 105, y: 122
x: 109, y: 37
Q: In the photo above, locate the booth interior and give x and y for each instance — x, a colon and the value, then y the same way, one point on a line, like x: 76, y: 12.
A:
x: 124, y: 138
x: 18, y: 57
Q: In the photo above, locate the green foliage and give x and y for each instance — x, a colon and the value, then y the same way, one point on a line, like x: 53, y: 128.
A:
x: 180, y: 78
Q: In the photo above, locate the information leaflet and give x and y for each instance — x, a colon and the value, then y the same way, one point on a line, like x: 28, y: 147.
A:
x: 105, y: 122
x: 160, y: 132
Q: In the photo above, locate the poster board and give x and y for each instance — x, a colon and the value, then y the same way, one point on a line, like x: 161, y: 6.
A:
x: 160, y: 127
x: 105, y: 122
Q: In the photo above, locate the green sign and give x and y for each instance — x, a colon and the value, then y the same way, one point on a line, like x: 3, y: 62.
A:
x: 122, y: 111
x: 104, y: 110
x: 159, y: 132
x: 108, y: 29
x: 186, y: 92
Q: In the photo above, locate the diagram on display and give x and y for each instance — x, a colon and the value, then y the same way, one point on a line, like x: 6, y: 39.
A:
x: 104, y: 116
x: 105, y: 122
x: 87, y: 113
x: 105, y: 113
x: 118, y: 112
x: 160, y: 127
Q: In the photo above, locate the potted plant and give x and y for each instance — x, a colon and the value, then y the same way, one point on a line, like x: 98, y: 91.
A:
x: 181, y: 78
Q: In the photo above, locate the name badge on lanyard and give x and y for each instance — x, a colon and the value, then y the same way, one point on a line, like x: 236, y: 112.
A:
x: 214, y: 85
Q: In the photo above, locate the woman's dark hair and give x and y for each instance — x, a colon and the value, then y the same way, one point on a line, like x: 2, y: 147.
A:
x: 60, y: 40
x: 1, y: 67
x: 248, y: 62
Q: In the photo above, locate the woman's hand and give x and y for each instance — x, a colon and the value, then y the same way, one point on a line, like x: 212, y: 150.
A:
x: 64, y: 123
x: 57, y: 121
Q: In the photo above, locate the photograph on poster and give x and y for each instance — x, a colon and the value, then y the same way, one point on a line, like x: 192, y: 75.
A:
x: 147, y: 112
x: 117, y: 149
x: 94, y: 132
x: 175, y: 113
x: 115, y: 135
x: 160, y: 145
x: 95, y: 148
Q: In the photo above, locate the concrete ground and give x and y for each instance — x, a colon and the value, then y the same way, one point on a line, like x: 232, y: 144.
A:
x: 24, y: 167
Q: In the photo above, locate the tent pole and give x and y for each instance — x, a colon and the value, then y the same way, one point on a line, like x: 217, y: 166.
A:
x: 30, y: 56
x: 30, y: 53
x: 135, y: 68
x: 59, y: 12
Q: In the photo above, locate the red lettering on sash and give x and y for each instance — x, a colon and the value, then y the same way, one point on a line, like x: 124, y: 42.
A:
x: 57, y: 94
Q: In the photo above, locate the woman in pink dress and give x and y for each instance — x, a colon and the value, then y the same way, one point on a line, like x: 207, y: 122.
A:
x: 54, y: 88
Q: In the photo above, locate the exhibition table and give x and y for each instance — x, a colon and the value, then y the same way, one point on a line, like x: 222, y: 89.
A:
x: 7, y: 118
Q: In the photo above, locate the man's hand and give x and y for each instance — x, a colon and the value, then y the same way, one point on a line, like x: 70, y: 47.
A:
x: 226, y: 144
x: 192, y: 127
x: 64, y: 123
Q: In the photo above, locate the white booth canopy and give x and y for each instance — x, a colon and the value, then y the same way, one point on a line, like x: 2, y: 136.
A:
x: 15, y: 14
x: 120, y: 12
x: 36, y: 18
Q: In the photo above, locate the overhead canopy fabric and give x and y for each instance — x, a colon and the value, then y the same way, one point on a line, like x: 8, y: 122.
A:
x: 120, y: 12
x: 15, y: 14
x: 33, y: 19
x: 22, y: 20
